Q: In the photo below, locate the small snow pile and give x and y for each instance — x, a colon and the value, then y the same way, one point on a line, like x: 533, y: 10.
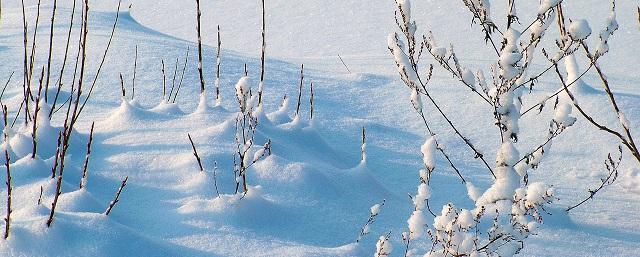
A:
x: 562, y: 115
x: 428, y: 150
x: 540, y: 26
x: 573, y: 81
x: 507, y: 179
x: 623, y: 120
x: 579, y: 29
x: 510, y: 55
x: 468, y: 77
x: 434, y: 49
x: 383, y: 247
x: 416, y: 99
x: 473, y: 192
x: 546, y: 5
x: 403, y: 64
x: 631, y: 180
x: 610, y: 28
x: 228, y: 205
x: 454, y: 228
x: 202, y: 103
x: 280, y: 116
x: 243, y: 87
x: 167, y: 108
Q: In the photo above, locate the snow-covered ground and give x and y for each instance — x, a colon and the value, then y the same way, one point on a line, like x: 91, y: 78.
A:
x: 312, y: 195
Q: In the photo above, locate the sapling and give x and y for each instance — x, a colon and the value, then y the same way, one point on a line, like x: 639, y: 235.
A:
x: 246, y: 126
x: 510, y: 208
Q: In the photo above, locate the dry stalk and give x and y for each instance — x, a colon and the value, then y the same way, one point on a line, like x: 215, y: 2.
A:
x: 117, y: 198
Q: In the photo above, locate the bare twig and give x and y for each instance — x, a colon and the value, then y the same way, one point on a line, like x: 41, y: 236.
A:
x: 40, y: 197
x: 64, y: 61
x: 117, y: 198
x: 7, y: 220
x: 311, y: 101
x: 262, y: 53
x: 372, y: 217
x: 5, y: 85
x: 215, y: 177
x: 173, y: 82
x: 135, y: 69
x: 218, y: 60
x: 53, y: 17
x: 345, y: 65
x: 195, y: 153
x: 184, y: 69
x: 104, y: 57
x: 164, y: 82
x: 612, y: 168
x: 202, y: 86
x: 85, y: 166
x: 124, y: 92
x: 34, y: 131
x: 300, y: 89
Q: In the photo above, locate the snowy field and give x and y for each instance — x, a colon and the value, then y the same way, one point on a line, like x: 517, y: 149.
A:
x: 309, y: 192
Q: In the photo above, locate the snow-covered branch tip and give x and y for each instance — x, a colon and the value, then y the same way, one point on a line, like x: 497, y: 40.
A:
x: 374, y: 211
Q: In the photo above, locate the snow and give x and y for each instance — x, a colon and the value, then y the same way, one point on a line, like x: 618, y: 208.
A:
x: 417, y: 223
x: 579, y: 29
x: 383, y: 247
x: 429, y: 153
x: 309, y: 198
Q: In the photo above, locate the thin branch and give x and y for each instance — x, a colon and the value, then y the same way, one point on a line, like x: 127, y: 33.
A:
x: 195, y: 153
x: 117, y: 198
x: 300, y: 89
x: 202, y: 86
x: 85, y: 166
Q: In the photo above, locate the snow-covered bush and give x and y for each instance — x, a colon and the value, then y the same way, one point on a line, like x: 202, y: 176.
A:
x: 510, y: 210
x: 246, y: 125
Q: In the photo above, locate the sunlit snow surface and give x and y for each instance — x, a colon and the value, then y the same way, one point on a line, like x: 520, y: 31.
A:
x: 311, y: 197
